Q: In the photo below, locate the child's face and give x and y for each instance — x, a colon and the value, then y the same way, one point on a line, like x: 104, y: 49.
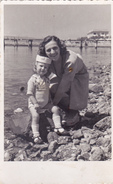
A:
x: 41, y: 68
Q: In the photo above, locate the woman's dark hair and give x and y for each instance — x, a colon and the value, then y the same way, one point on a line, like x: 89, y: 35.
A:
x: 47, y: 40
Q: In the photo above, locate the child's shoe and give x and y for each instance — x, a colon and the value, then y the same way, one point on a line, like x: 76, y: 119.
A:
x: 38, y: 140
x: 63, y: 118
x: 61, y: 131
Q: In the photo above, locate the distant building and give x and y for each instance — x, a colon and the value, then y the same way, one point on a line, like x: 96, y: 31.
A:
x: 99, y: 34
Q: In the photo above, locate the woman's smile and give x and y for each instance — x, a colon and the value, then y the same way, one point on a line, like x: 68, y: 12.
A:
x: 52, y: 50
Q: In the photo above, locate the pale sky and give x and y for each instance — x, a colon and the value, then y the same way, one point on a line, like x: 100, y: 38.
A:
x: 64, y: 21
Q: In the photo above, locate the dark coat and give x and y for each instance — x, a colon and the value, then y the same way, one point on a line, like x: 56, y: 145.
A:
x: 72, y: 80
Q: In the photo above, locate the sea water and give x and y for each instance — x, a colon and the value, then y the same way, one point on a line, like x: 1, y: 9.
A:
x: 18, y: 64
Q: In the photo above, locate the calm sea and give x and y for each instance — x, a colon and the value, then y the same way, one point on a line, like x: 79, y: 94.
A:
x: 18, y: 62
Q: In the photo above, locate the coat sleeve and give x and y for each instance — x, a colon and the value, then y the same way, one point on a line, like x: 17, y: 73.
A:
x: 73, y: 66
x: 30, y: 86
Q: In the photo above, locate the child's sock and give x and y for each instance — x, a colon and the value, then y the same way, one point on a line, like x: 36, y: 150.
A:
x: 35, y: 130
x: 57, y: 122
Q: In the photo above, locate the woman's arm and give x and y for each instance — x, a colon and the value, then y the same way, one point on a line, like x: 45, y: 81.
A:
x: 72, y: 67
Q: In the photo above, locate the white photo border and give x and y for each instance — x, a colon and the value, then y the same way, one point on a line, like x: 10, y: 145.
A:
x: 49, y: 172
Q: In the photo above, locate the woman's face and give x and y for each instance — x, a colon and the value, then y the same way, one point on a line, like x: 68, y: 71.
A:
x: 52, y: 50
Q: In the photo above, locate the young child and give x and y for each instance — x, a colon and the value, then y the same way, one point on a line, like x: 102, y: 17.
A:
x: 39, y: 98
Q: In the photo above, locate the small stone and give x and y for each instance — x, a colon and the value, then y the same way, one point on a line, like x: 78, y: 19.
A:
x: 7, y: 142
x: 45, y: 153
x: 105, y: 133
x: 12, y: 137
x: 97, y: 154
x: 109, y: 130
x: 20, y: 151
x: 79, y: 158
x: 17, y: 159
x: 93, y: 101
x: 84, y: 156
x: 64, y: 139
x: 77, y: 134
x: 83, y: 140
x: 97, y: 134
x: 87, y: 130
x: 7, y: 156
x: 76, y: 141
x: 10, y: 145
x: 74, y: 148
x: 87, y: 135
x: 21, y: 157
x: 85, y: 147
x: 50, y: 159
x: 105, y: 149
x: 18, y: 110
x: 70, y: 159
x: 107, y: 137
x: 95, y: 88
x: 36, y: 154
x: 92, y: 141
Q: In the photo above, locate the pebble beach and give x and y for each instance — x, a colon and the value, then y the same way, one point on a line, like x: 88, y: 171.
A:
x: 89, y: 140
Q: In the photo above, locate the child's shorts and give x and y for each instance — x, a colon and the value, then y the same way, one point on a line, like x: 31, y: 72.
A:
x: 43, y: 109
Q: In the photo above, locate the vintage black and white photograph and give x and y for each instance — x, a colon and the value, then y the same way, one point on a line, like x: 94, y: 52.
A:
x: 57, y: 82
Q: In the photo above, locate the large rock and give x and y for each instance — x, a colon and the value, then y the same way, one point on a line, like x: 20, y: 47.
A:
x: 102, y: 141
x: 19, y: 122
x: 97, y: 154
x: 95, y: 88
x: 52, y: 136
x: 53, y: 146
x: 103, y: 124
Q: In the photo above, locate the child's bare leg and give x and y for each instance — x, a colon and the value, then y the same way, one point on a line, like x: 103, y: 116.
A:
x: 35, y: 123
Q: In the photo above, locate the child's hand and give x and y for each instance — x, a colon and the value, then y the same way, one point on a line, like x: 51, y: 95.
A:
x: 37, y: 107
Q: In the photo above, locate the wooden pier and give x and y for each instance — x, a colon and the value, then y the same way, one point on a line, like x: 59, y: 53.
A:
x: 81, y: 43
x: 21, y: 41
